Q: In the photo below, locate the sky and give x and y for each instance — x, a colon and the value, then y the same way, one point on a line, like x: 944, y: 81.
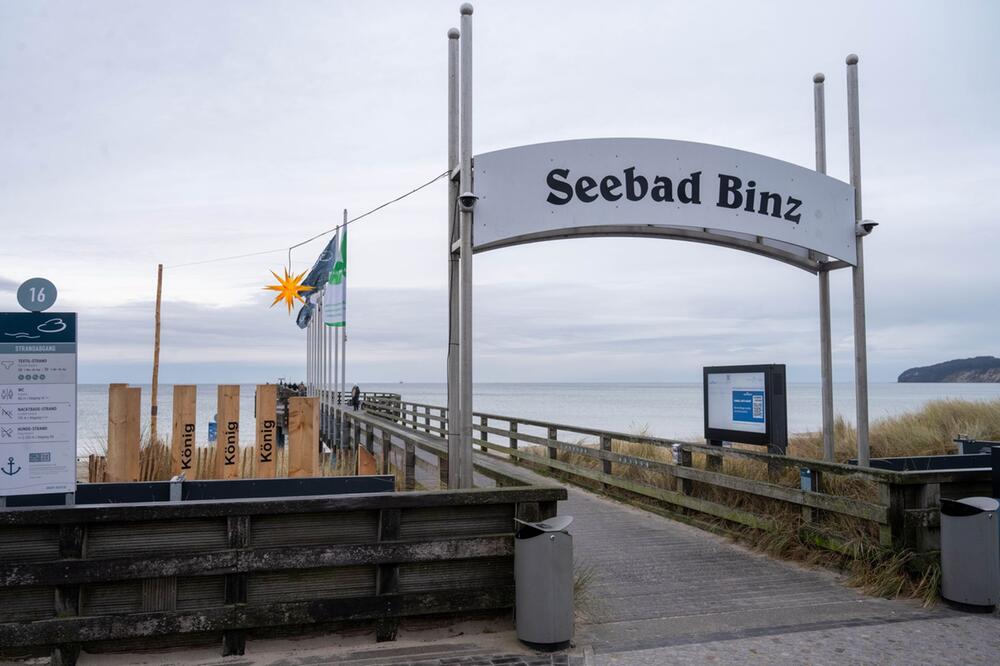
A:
x: 139, y: 132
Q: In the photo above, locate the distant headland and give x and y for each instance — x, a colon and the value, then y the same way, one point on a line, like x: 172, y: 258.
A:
x: 981, y: 369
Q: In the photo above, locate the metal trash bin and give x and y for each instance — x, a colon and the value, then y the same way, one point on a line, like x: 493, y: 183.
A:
x: 543, y: 577
x: 970, y: 552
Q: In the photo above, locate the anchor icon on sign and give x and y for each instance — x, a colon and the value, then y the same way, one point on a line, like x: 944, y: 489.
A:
x: 9, y: 470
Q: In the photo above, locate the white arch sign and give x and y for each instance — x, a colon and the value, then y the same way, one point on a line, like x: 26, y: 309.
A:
x: 659, y: 187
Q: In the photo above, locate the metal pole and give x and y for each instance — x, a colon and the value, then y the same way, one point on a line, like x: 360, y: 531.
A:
x: 343, y: 372
x: 454, y: 407
x: 324, y: 342
x: 860, y: 336
x: 465, y: 261
x: 309, y: 355
x: 825, y: 336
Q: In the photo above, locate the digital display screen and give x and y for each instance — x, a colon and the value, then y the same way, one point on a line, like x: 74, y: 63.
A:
x: 736, y: 402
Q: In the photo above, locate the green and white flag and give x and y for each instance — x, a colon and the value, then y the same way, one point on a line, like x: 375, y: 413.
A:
x: 335, y: 294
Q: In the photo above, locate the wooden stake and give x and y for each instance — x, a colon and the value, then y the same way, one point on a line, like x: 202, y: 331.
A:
x: 124, y: 405
x: 303, y: 436
x: 266, y: 450
x: 227, y: 445
x: 183, y: 436
x: 156, y: 357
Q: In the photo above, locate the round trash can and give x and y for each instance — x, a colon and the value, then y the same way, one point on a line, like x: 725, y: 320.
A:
x: 543, y: 580
x: 970, y: 553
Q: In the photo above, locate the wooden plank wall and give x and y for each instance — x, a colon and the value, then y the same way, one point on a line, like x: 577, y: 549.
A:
x: 129, y: 576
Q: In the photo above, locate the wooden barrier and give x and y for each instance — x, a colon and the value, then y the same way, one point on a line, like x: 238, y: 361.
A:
x: 303, y: 436
x: 265, y: 449
x: 124, y: 433
x: 116, y: 577
x: 227, y: 445
x: 183, y: 436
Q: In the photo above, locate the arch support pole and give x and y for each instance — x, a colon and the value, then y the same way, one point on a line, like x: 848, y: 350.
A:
x: 825, y: 335
x: 860, y: 334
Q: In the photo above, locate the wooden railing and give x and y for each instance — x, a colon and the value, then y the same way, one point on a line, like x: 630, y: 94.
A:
x: 695, y: 482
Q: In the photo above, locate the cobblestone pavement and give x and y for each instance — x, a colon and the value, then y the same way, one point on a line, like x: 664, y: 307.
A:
x: 951, y: 640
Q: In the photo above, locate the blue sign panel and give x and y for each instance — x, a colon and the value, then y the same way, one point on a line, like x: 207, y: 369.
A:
x: 748, y: 406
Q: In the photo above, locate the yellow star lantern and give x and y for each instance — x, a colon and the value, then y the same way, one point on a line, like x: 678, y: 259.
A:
x: 288, y: 289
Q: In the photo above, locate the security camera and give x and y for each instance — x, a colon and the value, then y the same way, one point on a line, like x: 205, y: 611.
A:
x: 467, y: 199
x: 864, y: 227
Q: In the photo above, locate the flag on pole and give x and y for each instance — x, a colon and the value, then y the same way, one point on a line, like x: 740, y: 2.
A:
x: 335, y: 296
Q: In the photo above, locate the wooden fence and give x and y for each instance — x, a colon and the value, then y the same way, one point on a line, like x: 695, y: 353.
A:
x: 165, y: 574
x: 128, y: 458
x: 710, y: 485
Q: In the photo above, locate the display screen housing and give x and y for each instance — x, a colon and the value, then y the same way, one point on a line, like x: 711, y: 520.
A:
x: 746, y: 404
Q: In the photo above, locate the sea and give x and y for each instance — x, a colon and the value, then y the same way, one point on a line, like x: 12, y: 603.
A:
x: 670, y: 410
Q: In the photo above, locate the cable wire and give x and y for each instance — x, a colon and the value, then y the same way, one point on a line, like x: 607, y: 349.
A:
x: 317, y: 236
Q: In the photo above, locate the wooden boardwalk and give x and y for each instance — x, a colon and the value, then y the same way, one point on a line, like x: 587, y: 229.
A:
x: 660, y: 586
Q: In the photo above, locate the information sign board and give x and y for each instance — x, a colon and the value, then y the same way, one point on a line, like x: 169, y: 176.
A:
x: 746, y: 404
x: 37, y: 403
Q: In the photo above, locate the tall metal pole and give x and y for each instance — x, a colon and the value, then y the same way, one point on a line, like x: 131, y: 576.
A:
x: 825, y: 336
x: 156, y: 357
x: 309, y: 355
x: 465, y: 261
x: 454, y: 407
x: 860, y: 336
x: 343, y: 369
x: 324, y: 352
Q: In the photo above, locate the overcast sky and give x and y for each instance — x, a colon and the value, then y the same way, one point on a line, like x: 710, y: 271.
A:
x: 138, y: 132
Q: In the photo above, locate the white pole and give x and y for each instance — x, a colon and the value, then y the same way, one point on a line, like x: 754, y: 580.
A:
x: 825, y: 335
x: 454, y: 406
x: 465, y: 263
x: 309, y: 356
x: 343, y: 370
x: 324, y: 395
x: 860, y: 335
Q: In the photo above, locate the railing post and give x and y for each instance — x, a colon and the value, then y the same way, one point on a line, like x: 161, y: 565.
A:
x: 687, y: 459
x: 809, y: 514
x: 484, y: 422
x: 427, y: 419
x: 443, y: 471
x: 512, y: 442
x: 386, y: 448
x: 713, y: 462
x: 553, y: 436
x: 410, y: 466
x: 370, y: 438
x: 605, y: 463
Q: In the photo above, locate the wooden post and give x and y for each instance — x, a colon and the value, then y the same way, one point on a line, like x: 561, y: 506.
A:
x: 553, y: 436
x: 123, y: 433
x: 513, y: 436
x: 606, y: 464
x: 267, y: 431
x: 483, y: 422
x: 809, y: 514
x: 387, y: 575
x: 227, y: 445
x: 686, y: 485
x: 303, y: 436
x: 410, y: 466
x: 183, y: 435
x: 427, y: 419
x: 386, y: 450
x: 156, y: 358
